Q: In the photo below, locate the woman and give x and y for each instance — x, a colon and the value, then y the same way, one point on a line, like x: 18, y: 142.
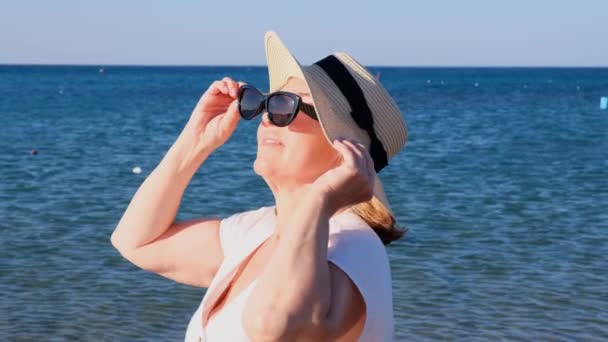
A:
x: 312, y: 267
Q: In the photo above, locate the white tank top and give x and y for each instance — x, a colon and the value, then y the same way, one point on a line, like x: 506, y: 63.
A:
x: 352, y: 246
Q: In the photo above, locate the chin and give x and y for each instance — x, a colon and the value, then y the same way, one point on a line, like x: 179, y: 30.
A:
x: 263, y: 167
x: 269, y: 167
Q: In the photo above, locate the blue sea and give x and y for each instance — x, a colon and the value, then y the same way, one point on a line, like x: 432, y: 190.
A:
x: 503, y: 186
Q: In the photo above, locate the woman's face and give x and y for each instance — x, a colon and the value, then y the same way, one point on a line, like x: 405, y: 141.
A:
x: 297, y: 154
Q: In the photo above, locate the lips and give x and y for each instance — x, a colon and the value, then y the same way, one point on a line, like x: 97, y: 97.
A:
x: 270, y: 140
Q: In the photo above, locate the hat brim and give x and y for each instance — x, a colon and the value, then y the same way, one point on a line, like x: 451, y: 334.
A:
x: 281, y: 66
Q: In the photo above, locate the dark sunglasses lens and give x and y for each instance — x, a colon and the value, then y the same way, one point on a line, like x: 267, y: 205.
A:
x: 250, y: 103
x: 281, y: 109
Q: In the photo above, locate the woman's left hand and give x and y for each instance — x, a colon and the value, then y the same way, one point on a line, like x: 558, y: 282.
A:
x: 352, y: 181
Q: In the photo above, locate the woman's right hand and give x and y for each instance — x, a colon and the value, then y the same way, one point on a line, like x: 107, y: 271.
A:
x: 215, y: 116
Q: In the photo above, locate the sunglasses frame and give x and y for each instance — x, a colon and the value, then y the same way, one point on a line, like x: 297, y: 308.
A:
x: 263, y: 107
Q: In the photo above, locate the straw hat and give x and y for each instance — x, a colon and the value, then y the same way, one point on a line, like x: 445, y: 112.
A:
x: 349, y: 102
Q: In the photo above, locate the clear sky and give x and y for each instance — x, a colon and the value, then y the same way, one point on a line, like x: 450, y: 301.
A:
x: 376, y: 32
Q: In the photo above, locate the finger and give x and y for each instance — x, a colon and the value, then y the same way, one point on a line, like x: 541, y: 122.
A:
x: 370, y: 167
x: 347, y: 154
x: 221, y: 87
x: 360, y: 159
x: 359, y: 144
x: 365, y: 154
x: 369, y: 162
x: 356, y: 148
x: 233, y: 87
x: 366, y: 159
x: 225, y: 87
x: 231, y: 119
x: 217, y: 87
x: 359, y: 154
x: 367, y: 169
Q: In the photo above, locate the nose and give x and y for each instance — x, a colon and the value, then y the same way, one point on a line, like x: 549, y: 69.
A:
x: 266, y: 120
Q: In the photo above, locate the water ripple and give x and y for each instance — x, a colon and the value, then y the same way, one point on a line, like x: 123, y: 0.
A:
x: 503, y: 187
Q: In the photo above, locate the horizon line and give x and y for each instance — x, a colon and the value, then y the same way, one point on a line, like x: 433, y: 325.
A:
x: 464, y: 66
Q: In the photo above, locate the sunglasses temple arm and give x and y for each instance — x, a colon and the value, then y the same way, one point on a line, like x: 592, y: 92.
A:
x: 309, y: 110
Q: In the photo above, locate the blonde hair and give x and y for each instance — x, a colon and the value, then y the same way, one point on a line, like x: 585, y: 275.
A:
x: 380, y: 220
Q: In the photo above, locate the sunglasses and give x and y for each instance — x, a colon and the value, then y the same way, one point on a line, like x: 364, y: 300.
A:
x: 282, y: 106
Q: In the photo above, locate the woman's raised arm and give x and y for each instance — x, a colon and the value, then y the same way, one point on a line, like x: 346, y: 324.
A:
x: 300, y: 295
x: 147, y: 235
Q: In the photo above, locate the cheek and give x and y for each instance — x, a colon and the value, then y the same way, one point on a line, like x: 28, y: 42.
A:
x: 309, y: 159
x: 306, y: 153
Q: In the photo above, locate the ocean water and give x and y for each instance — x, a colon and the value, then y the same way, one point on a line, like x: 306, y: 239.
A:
x: 503, y: 186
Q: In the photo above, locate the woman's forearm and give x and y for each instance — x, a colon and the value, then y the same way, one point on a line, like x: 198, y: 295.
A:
x: 294, y: 287
x: 154, y: 206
